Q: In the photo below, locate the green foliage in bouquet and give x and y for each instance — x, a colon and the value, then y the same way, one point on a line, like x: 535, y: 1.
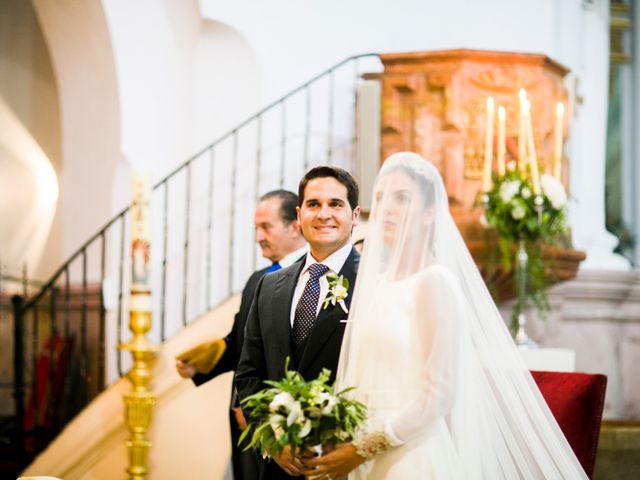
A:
x: 512, y: 210
x: 300, y: 414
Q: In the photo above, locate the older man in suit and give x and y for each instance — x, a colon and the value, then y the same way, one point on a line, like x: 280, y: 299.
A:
x: 287, y: 318
x: 280, y: 239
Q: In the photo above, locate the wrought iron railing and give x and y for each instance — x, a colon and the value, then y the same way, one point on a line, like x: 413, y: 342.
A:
x: 202, y: 248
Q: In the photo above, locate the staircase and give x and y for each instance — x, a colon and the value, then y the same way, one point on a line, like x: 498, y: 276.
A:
x: 202, y: 253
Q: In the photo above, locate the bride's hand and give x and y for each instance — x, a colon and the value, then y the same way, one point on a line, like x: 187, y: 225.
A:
x: 338, y: 462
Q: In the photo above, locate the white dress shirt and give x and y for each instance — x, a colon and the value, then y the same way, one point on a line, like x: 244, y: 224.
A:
x: 335, y: 261
x: 293, y: 257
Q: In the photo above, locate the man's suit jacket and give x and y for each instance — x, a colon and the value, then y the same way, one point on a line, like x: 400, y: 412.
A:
x: 268, y: 343
x: 235, y: 338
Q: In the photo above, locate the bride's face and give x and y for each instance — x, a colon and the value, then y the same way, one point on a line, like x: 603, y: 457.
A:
x: 398, y: 202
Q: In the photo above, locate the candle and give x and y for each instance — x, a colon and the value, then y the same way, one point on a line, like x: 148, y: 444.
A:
x: 533, y: 157
x: 502, y: 115
x: 488, y: 147
x: 522, y: 146
x: 557, y: 152
x: 140, y: 233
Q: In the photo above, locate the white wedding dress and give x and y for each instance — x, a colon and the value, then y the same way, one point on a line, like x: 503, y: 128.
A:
x: 430, y: 355
x: 411, y: 403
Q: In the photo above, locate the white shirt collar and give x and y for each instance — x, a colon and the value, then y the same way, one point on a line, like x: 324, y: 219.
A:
x: 292, y: 257
x: 335, y: 261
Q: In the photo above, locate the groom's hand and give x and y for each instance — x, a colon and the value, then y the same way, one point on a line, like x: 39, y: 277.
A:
x: 338, y: 462
x: 290, y: 464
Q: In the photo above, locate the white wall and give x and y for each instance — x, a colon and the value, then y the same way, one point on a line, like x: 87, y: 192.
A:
x: 295, y: 40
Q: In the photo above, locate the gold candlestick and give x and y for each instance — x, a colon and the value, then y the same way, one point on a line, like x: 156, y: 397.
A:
x: 140, y: 401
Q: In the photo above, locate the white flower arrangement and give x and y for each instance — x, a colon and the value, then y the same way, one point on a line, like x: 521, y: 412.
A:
x: 520, y: 217
x: 513, y: 210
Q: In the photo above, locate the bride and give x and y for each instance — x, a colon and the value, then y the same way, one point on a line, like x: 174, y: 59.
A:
x: 447, y: 393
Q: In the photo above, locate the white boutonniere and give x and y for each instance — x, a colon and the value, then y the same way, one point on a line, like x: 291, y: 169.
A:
x: 338, y: 291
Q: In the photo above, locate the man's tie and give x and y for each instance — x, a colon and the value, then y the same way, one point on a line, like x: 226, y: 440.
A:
x: 274, y: 266
x: 308, y: 304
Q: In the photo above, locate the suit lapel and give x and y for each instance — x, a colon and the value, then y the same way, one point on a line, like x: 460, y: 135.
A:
x: 282, y: 298
x: 329, y: 318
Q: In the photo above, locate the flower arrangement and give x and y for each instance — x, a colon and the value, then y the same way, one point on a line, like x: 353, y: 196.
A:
x: 523, y: 206
x: 523, y: 219
x: 512, y: 209
x: 304, y: 415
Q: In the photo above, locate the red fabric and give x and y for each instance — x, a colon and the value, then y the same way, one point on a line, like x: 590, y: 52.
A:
x: 576, y: 401
x: 39, y: 412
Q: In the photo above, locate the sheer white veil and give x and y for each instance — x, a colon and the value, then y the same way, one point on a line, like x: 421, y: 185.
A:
x: 479, y: 387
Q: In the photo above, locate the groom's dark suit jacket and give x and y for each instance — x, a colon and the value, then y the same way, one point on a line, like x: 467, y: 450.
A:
x: 267, y: 341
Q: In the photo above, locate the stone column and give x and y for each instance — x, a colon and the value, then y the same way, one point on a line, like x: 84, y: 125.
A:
x: 588, y: 142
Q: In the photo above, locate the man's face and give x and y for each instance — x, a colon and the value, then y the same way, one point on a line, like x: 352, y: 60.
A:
x: 326, y: 217
x: 274, y: 237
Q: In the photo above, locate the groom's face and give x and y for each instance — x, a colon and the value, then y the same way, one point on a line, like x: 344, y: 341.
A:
x: 326, y: 216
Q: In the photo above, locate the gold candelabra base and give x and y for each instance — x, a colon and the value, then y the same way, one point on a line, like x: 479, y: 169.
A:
x: 140, y: 401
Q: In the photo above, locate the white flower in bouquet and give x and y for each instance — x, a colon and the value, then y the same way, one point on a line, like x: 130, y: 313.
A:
x: 517, y: 212
x: 328, y: 400
x: 295, y: 414
x: 276, y: 425
x: 525, y: 192
x: 508, y: 190
x: 306, y: 428
x: 554, y: 191
x: 283, y: 399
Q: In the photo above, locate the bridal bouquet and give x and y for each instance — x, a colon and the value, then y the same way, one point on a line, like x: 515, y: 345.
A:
x: 304, y: 415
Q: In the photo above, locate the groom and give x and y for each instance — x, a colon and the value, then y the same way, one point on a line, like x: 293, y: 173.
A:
x: 287, y: 317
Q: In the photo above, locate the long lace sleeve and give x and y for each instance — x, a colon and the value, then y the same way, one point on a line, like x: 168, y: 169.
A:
x: 438, y: 327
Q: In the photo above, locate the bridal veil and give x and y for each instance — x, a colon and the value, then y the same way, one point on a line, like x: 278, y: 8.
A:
x: 459, y: 367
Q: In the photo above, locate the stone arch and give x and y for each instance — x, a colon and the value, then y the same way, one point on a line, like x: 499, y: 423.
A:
x: 79, y: 43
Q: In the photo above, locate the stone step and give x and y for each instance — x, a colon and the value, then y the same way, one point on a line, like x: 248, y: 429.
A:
x: 618, y: 455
